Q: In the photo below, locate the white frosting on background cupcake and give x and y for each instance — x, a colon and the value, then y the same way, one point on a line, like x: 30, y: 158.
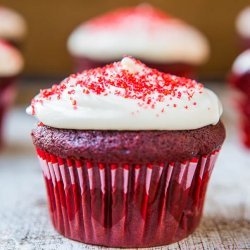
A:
x: 242, y: 63
x: 12, y: 25
x: 11, y: 60
x: 126, y: 95
x: 143, y: 32
x: 243, y: 22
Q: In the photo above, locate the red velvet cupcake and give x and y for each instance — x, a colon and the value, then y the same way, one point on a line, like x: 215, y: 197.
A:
x: 159, y: 40
x: 240, y: 81
x: 243, y: 27
x: 11, y: 64
x: 127, y: 153
x: 12, y: 26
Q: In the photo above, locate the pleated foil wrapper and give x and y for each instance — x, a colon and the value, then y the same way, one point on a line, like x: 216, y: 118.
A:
x: 125, y: 205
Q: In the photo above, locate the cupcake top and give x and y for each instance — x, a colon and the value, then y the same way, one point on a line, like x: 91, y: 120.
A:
x: 243, y: 22
x: 242, y: 63
x: 142, y: 31
x: 11, y: 60
x: 12, y: 25
x: 126, y: 95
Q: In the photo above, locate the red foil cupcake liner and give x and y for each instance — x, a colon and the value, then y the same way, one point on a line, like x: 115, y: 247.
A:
x: 125, y: 205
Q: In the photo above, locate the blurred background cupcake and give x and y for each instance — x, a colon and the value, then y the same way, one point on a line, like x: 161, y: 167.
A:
x: 12, y: 26
x: 240, y: 82
x: 159, y: 40
x: 11, y: 64
x: 243, y: 27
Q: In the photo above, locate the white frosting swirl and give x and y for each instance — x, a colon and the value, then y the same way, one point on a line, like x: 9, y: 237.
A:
x: 115, y: 112
x: 11, y: 61
x: 143, y: 32
x: 243, y: 22
x: 12, y: 25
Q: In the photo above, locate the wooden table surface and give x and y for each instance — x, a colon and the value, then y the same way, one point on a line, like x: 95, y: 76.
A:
x: 24, y: 220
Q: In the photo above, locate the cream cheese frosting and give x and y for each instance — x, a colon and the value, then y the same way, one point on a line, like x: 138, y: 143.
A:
x: 12, y: 25
x: 243, y: 22
x: 143, y: 32
x: 126, y: 95
x: 242, y: 63
x: 11, y: 61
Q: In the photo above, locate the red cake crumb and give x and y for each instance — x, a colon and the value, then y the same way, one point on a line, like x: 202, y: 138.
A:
x: 146, y: 85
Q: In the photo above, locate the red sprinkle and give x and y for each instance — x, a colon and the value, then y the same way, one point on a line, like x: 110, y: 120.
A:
x: 40, y: 124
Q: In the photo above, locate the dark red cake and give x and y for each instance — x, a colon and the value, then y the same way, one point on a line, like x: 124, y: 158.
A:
x: 159, y: 40
x: 129, y: 146
x: 127, y: 182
